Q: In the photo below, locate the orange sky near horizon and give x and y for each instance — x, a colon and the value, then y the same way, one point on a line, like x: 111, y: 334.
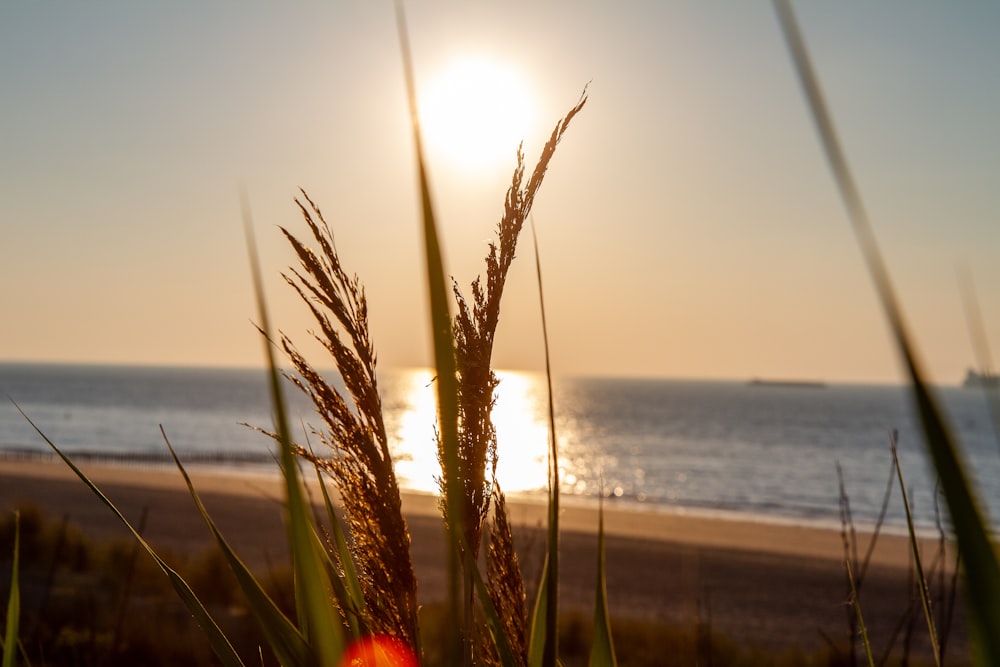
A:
x: 689, y: 226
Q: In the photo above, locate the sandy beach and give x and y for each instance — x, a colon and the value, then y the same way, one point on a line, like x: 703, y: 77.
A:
x: 779, y: 587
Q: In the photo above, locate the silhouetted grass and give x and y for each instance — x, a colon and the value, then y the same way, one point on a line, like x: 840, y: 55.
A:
x: 74, y: 591
x: 11, y: 634
x: 158, y: 629
x: 979, y: 557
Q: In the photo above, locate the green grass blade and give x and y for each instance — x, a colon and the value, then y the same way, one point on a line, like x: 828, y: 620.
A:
x: 282, y: 636
x: 861, y: 619
x: 492, y: 617
x: 323, y: 626
x: 539, y: 628
x: 925, y: 598
x: 979, y: 557
x: 216, y: 638
x: 602, y: 647
x: 351, y: 597
x: 356, y: 625
x: 444, y: 360
x: 550, y: 584
x: 10, y: 637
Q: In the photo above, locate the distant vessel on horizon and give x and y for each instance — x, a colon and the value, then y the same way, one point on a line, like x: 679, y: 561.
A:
x: 793, y: 384
x: 985, y: 379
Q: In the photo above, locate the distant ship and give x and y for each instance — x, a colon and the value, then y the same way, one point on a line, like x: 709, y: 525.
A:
x: 793, y: 384
x: 986, y: 379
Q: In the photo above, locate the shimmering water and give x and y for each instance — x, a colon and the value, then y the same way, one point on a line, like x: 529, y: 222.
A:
x: 768, y: 452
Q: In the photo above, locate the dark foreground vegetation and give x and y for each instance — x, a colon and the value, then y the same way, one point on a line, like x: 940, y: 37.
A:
x: 89, y: 602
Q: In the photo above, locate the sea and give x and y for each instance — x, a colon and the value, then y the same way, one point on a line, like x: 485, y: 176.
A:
x: 768, y: 452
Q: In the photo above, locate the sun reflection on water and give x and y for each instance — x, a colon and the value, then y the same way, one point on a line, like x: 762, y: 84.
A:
x: 519, y: 417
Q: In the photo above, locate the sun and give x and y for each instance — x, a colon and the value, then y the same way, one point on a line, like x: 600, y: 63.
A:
x: 475, y: 112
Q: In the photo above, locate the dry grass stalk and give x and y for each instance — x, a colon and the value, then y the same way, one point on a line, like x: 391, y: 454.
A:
x: 505, y: 581
x: 475, y: 328
x: 474, y: 332
x: 360, y: 464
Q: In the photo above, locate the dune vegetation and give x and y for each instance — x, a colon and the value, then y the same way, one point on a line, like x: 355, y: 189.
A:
x: 349, y: 595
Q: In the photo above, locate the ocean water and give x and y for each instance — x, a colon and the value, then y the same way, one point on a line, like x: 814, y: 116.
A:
x: 767, y: 453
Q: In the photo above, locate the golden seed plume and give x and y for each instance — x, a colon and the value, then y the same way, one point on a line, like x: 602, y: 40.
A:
x: 359, y: 463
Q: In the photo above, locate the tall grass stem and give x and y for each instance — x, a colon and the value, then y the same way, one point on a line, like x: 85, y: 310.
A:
x: 979, y: 557
x: 925, y: 598
x: 321, y: 624
x: 10, y: 635
x: 217, y: 639
x: 444, y: 364
x: 550, y: 588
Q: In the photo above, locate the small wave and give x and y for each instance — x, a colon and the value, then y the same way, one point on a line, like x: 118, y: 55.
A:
x: 142, y: 457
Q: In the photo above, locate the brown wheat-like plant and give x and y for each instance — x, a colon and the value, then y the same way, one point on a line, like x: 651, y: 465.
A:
x: 506, y: 585
x: 360, y: 464
x: 474, y: 331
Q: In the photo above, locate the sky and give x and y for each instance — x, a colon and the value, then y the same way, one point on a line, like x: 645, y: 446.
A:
x: 688, y: 226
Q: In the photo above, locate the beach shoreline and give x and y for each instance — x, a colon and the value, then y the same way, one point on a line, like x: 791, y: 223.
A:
x: 780, y: 587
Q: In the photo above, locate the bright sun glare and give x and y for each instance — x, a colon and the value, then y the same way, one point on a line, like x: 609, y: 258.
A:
x: 522, y: 434
x: 475, y: 113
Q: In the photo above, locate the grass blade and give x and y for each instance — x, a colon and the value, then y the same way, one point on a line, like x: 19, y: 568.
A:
x: 216, y: 638
x: 861, y: 619
x: 444, y: 363
x: 978, y: 555
x: 981, y: 567
x: 550, y: 583
x: 282, y: 636
x: 925, y: 598
x: 322, y: 624
x: 10, y: 637
x: 352, y: 598
x: 602, y: 647
x: 539, y: 628
x: 492, y: 617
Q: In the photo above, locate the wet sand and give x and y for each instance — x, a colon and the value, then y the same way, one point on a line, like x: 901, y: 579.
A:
x: 779, y: 587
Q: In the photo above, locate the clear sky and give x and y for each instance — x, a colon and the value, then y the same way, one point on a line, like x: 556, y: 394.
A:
x: 689, y: 226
